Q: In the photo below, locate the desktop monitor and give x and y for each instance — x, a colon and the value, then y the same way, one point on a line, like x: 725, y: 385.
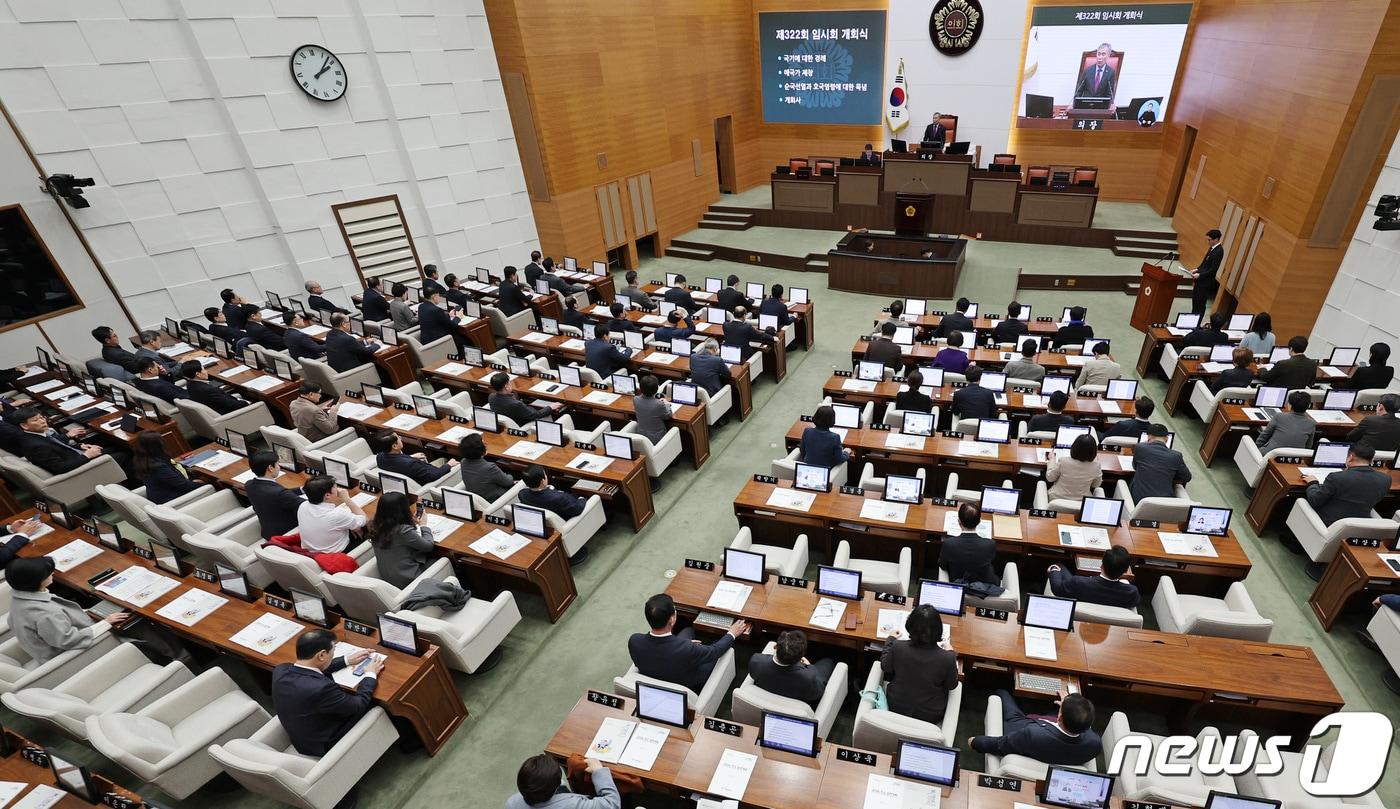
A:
x: 1188, y: 320
x: 797, y: 295
x: 994, y: 381
x: 388, y: 335
x: 1344, y: 356
x: 1225, y: 800
x: 946, y: 598
x: 1049, y: 612
x: 485, y: 420
x: 618, y: 446
x: 680, y: 346
x: 1055, y: 383
x: 549, y: 325
x: 1121, y: 390
x: 634, y: 340
x: 600, y: 268
x: 238, y: 442
x: 1064, y: 314
x: 473, y: 356
x: 744, y: 565
x: 903, y: 336
x: 916, y: 423
x: 625, y: 384
x: 997, y: 431
x: 1106, y: 511
x: 73, y: 777
x: 664, y: 705
x: 926, y: 762
x: 997, y: 500
x: 399, y: 635
x: 732, y: 355
x: 411, y: 294
x: 753, y: 289
x: 870, y: 371
x: 518, y: 366
x: 1271, y: 396
x: 684, y: 393
x: 1240, y: 322
x: 847, y: 416
x: 1279, y: 354
x: 838, y: 582
x: 542, y: 286
x: 471, y: 309
x: 713, y: 285
x: 1331, y: 454
x: 1088, y: 349
x: 915, y: 306
x: 172, y: 328
x: 309, y: 607
x: 425, y: 406
x: 933, y: 377
x: 483, y: 275
x: 766, y: 322
x: 898, y: 146
x: 570, y: 264
x: 904, y: 489
x: 1171, y: 438
x: 810, y: 477
x: 664, y: 308
x: 338, y: 470
x: 458, y: 504
x: 109, y: 535
x: 167, y: 557
x: 1339, y: 399
x: 549, y: 432
x: 390, y: 482
x: 569, y: 375
x: 529, y: 521
x: 233, y: 581
x: 1222, y: 353
x: 715, y: 315
x: 1025, y: 314
x: 672, y: 279
x: 971, y: 311
x: 790, y: 734
x: 1076, y: 789
x: 1208, y: 520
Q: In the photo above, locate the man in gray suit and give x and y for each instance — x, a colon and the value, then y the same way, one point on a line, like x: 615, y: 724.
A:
x: 633, y: 292
x: 1292, y: 428
x: 540, y: 782
x: 1350, y: 492
x: 1025, y: 366
x: 480, y: 476
x: 150, y: 347
x: 1156, y: 467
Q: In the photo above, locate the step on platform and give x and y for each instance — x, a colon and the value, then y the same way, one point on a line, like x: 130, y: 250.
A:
x: 1142, y: 244
x: 693, y: 253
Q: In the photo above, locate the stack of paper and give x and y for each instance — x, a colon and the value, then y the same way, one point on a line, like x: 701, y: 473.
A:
x: 529, y: 450
x: 1317, y: 473
x: 453, y: 368
x: 267, y: 633
x: 315, y: 331
x: 884, y: 792
x: 644, y: 746
x: 588, y: 462
x: 827, y: 614
x: 1032, y: 400
x: 891, y: 622
x: 244, y: 477
x: 262, y: 382
x: 177, y: 349
x: 499, y: 544
x: 362, y: 499
x: 1040, y: 642
x: 661, y: 358
x: 534, y: 337
x: 71, y: 555
x: 790, y: 499
x: 350, y: 676
x: 9, y: 789
x: 884, y: 511
x: 729, y: 596
x: 980, y: 449
x: 858, y: 385
x: 454, y: 433
x: 77, y: 403
x: 1216, y: 367
x: 611, y: 739
x: 48, y: 384
x: 138, y: 585
x: 219, y: 460
x: 548, y: 386
x: 234, y: 370
x: 732, y: 774
x: 601, y: 397
x: 442, y: 527
x: 1255, y: 414
x: 1392, y: 561
x: 1320, y: 416
x: 1075, y: 359
x: 573, y: 344
x: 1332, y: 372
x: 191, y: 606
x: 1110, y: 406
x: 404, y: 421
x: 1187, y: 544
x: 902, y: 441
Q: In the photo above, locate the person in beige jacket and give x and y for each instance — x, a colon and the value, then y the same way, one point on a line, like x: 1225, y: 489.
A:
x: 313, y: 414
x: 1075, y: 477
x: 1100, y: 369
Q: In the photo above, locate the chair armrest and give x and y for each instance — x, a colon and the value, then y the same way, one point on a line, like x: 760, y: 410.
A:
x: 272, y: 734
x: 202, y: 690
x: 835, y: 692
x: 720, y: 678
x: 843, y: 554
x: 226, y: 521
x: 1238, y: 600
x: 189, y: 497
x: 100, y: 462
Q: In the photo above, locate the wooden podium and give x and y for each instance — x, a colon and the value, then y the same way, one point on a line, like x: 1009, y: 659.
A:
x: 912, y: 213
x: 1154, y: 298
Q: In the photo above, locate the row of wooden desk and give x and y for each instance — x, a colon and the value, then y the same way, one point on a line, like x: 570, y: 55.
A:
x: 1230, y: 424
x: 850, y: 390
x: 37, y: 780
x: 774, y: 354
x: 1054, y: 362
x: 804, y: 315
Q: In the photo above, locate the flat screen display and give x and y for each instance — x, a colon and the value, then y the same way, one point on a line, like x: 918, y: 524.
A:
x: 1055, y: 383
x: 926, y: 762
x: 458, y: 504
x: 529, y: 521
x: 398, y: 634
x: 823, y: 67
x: 945, y: 597
x: 664, y: 705
x: 1049, y: 612
x: 1344, y: 356
x: 847, y: 416
x: 1122, y: 390
x: 1066, y: 433
x: 549, y: 432
x: 903, y: 489
x: 744, y: 565
x: 790, y: 733
x: 1213, y: 522
x: 1101, y: 511
x: 1271, y: 396
x: 1339, y: 400
x: 1077, y: 789
x: 996, y: 500
x: 870, y: 371
x: 995, y: 430
x: 838, y: 582
x: 811, y: 477
x: 916, y: 423
x: 1331, y: 454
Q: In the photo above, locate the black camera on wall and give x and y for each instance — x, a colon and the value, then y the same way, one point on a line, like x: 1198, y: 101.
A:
x: 70, y: 188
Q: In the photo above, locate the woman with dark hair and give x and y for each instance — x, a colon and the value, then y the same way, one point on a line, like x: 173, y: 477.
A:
x: 820, y: 446
x: 1374, y: 374
x: 1075, y: 477
x: 45, y: 625
x: 1260, y: 337
x: 152, y: 465
x: 403, y: 543
x: 920, y: 668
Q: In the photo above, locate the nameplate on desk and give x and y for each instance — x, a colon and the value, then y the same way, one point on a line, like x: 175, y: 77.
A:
x: 497, y: 366
x: 546, y: 375
x: 35, y: 755
x: 856, y: 490
x: 144, y: 553
x: 792, y: 581
x: 958, y: 384
x: 721, y: 726
x: 1089, y: 394
x: 844, y: 374
x: 929, y: 342
x: 855, y: 756
x: 656, y: 283
x: 223, y: 442
x: 942, y: 501
x: 892, y: 598
x: 90, y: 530
x: 1019, y: 389
x: 1058, y: 351
x: 515, y: 432
x: 759, y: 478
x: 585, y: 445
x: 994, y: 782
x: 369, y: 487
x: 699, y: 564
x: 358, y: 628
x: 431, y: 504
x: 603, y: 698
x: 951, y: 434
x: 1110, y: 448
x: 1045, y: 320
x: 204, y: 575
x: 1378, y: 464
x: 454, y: 357
x: 992, y: 317
x: 988, y: 612
x: 1044, y: 512
x: 458, y: 419
x: 804, y: 418
x: 1363, y: 542
x: 1145, y: 523
x: 1367, y: 408
x: 532, y: 327
x: 1232, y: 401
x: 1289, y: 459
x: 940, y: 313
x: 1144, y: 805
x: 116, y: 801
x: 880, y: 428
x: 597, y: 386
x: 494, y: 520
x: 693, y: 287
x: 353, y: 394
x: 1033, y: 442
x: 1160, y: 325
x: 279, y: 603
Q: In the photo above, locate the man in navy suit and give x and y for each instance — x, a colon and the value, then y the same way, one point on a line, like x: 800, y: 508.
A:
x: 511, y: 299
x: 556, y: 283
x: 730, y: 297
x: 787, y: 672
x: 677, y: 657
x: 680, y: 295
x: 707, y: 369
x: 1203, y: 291
x: 430, y: 281
x: 219, y: 327
x: 112, y: 351
x: 774, y: 305
x: 299, y: 343
x: 540, y: 494
x: 148, y: 381
x: 373, y: 304
x: 504, y: 401
x: 210, y: 394
x: 274, y: 504
x: 343, y: 351
x: 312, y: 708
x: 318, y: 303
x: 1070, y: 739
x: 957, y: 321
x: 1099, y: 80
x: 434, y: 323
x: 150, y: 347
x: 391, y: 458
x: 233, y: 307
x: 261, y: 334
x: 974, y: 401
x: 51, y: 450
x: 739, y: 332
x: 1107, y: 588
x: 676, y: 326
x: 535, y: 269
x: 935, y: 132
x: 604, y: 358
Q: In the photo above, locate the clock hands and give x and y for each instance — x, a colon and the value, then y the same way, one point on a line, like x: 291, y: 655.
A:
x: 324, y: 67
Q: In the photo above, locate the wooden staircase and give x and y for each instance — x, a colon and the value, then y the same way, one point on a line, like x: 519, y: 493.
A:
x: 726, y: 220
x: 1143, y: 244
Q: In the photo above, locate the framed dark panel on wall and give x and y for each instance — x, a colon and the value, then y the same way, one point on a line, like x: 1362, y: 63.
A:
x: 35, y: 286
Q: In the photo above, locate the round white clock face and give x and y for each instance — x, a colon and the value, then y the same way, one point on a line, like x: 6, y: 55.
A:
x: 318, y: 72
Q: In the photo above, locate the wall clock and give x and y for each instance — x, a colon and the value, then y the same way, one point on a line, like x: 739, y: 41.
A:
x: 318, y: 72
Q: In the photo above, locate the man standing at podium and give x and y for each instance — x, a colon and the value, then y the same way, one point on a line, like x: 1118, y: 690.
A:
x: 1206, y: 285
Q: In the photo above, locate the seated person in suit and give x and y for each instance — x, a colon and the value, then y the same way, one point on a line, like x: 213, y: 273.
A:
x: 1239, y: 376
x: 774, y: 305
x: 739, y: 332
x: 895, y: 315
x: 1156, y: 467
x: 1374, y: 374
x: 430, y: 281
x: 1100, y: 369
x: 233, y: 307
x: 46, y: 625
x: 619, y: 321
x: 112, y: 350
x: 1136, y: 426
x: 920, y: 667
x: 535, y: 268
x: 435, y: 322
x: 1076, y: 331
x: 201, y: 388
x: 974, y: 401
x: 219, y: 327
x: 677, y: 326
x: 788, y: 673
x: 952, y: 358
x: 820, y: 446
x: 314, y: 413
x: 1350, y: 492
x: 913, y: 397
x: 1069, y: 740
x: 539, y: 783
x: 317, y: 302
x: 1054, y: 418
x: 148, y: 380
x: 1292, y: 427
x: 1107, y: 588
x: 707, y: 369
x: 374, y: 305
x: 540, y: 494
x: 299, y: 343
x: 730, y: 297
x: 883, y: 349
x: 274, y: 504
x: 936, y: 132
x: 868, y: 156
x: 400, y: 310
x: 1012, y: 327
x: 572, y: 316
x: 327, y: 518
x: 453, y: 292
x: 163, y: 481
x: 1025, y: 366
x: 261, y: 334
x: 680, y: 295
x: 1075, y: 477
x: 1099, y: 79
x: 966, y: 555
x: 604, y: 358
x: 480, y: 476
x: 635, y: 295
x: 957, y: 321
x: 677, y: 656
x: 556, y: 283
x: 1210, y: 333
x: 52, y: 451
x: 511, y: 297
x: 150, y: 347
x: 504, y: 401
x: 1298, y: 371
x: 313, y: 709
x: 1382, y: 430
x: 652, y: 413
x: 344, y: 352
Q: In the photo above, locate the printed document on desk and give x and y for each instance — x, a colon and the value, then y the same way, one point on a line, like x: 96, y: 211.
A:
x: 981, y: 449
x: 1316, y: 473
x: 362, y: 499
x: 902, y: 441
x: 347, y: 676
x: 790, y: 499
x: 1329, y: 417
x: 1187, y: 544
x: 138, y: 585
x: 884, y: 792
x: 827, y: 614
x: 1109, y: 406
x: 453, y: 368
x: 601, y: 397
x: 218, y: 461
x: 1125, y: 462
x: 535, y: 337
x: 529, y: 450
x: 884, y: 511
x: 357, y: 411
x: 499, y: 544
x: 1216, y: 367
x: 48, y: 384
x: 73, y: 554
x: 1079, y: 536
x: 404, y: 421
x: 442, y: 527
x: 611, y: 739
x: 10, y: 789
x: 41, y: 797
x: 454, y: 434
x: 573, y: 344
x: 1040, y: 642
x: 858, y: 385
x: 262, y: 382
x: 729, y: 596
x: 267, y: 633
x: 191, y: 606
x: 953, y: 528
x: 891, y: 622
x: 732, y: 774
x: 588, y: 462
x: 644, y: 746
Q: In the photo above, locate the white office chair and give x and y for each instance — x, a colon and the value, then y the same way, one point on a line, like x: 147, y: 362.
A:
x: 785, y: 468
x: 1161, y: 509
x: 576, y: 532
x: 491, y: 508
x: 877, y: 575
x: 426, y: 355
x: 404, y: 394
x: 1014, y: 765
x: 1191, y: 789
x: 716, y: 406
x: 1204, y: 402
x: 875, y: 484
x: 1102, y: 613
x: 356, y: 453
x: 167, y: 742
x: 1252, y: 462
x: 266, y: 763
x: 1286, y: 786
x: 369, y: 471
x: 131, y: 504
x: 299, y: 572
x: 1233, y: 616
x: 503, y: 325
x: 123, y: 679
x: 657, y: 457
x: 1060, y: 504
x: 232, y: 547
x: 320, y: 372
x: 881, y: 729
x: 749, y: 701
x: 1370, y: 396
x: 364, y: 596
x: 1171, y: 357
x: 1010, y: 598
x: 867, y: 411
x: 215, y: 513
x: 776, y: 559
x: 705, y: 703
x: 470, y: 637
x: 1384, y: 629
x: 273, y: 434
x: 1320, y: 541
x: 72, y: 487
x: 951, y: 491
x: 209, y: 423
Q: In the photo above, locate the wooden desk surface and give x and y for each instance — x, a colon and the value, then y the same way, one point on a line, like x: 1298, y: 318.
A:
x: 923, y: 354
x: 848, y: 388
x: 1230, y: 423
x: 16, y: 768
x: 108, y: 424
x: 1282, y: 480
x: 981, y: 323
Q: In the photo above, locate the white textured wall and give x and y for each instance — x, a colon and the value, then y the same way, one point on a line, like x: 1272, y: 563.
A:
x: 1363, y: 306
x: 979, y: 86
x: 213, y: 169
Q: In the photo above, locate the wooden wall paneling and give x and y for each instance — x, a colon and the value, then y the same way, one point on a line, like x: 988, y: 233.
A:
x: 648, y: 222
x: 615, y: 206
x: 1370, y: 135
x: 1248, y: 262
x: 527, y: 141
x: 610, y: 234
x: 634, y: 196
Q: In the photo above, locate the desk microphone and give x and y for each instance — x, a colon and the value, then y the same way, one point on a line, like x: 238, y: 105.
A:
x: 1172, y: 254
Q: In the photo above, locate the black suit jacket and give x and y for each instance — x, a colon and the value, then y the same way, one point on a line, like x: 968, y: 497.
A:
x: 314, y: 710
x: 957, y: 321
x: 165, y: 483
x: 510, y: 299
x: 1381, y: 431
x: 161, y: 388
x: 1156, y: 471
x: 233, y: 313
x: 935, y: 132
x: 213, y: 397
x: 1350, y: 492
x: 374, y: 306
x: 227, y: 332
x: 120, y: 356
x: 1094, y: 589
x: 740, y: 333
x: 1009, y: 330
x: 885, y: 351
x: 344, y: 352
x: 1232, y: 378
x: 433, y: 323
x: 265, y: 337
x: 1073, y: 334
x: 1204, y: 337
x: 1371, y: 376
x: 420, y: 472
x: 729, y: 297
x: 430, y: 285
x: 533, y: 272
x: 300, y: 345
x: 10, y: 437
x: 974, y: 402
x: 677, y: 660
x: 48, y: 453
x: 1298, y: 371
x: 318, y: 303
x: 1038, y: 739
x: 799, y: 681
x: 457, y: 296
x: 913, y: 400
x: 603, y: 357
x: 514, y: 409
x: 681, y: 297
x: 709, y: 372
x: 1106, y: 85
x: 968, y: 557
x: 275, y: 505
x: 1048, y: 422
x: 1210, y: 265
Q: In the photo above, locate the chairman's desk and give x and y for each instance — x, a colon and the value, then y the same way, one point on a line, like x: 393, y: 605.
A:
x: 1282, y: 481
x: 543, y: 564
x: 883, y: 264
x: 418, y: 689
x: 107, y: 425
x: 627, y: 479
x: 774, y: 354
x: 836, y: 515
x: 1189, y: 371
x: 804, y: 315
x: 691, y: 420
x: 16, y: 769
x: 854, y: 391
x: 1352, y: 573
x: 1283, y: 686
x: 563, y: 349
x: 1230, y: 424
